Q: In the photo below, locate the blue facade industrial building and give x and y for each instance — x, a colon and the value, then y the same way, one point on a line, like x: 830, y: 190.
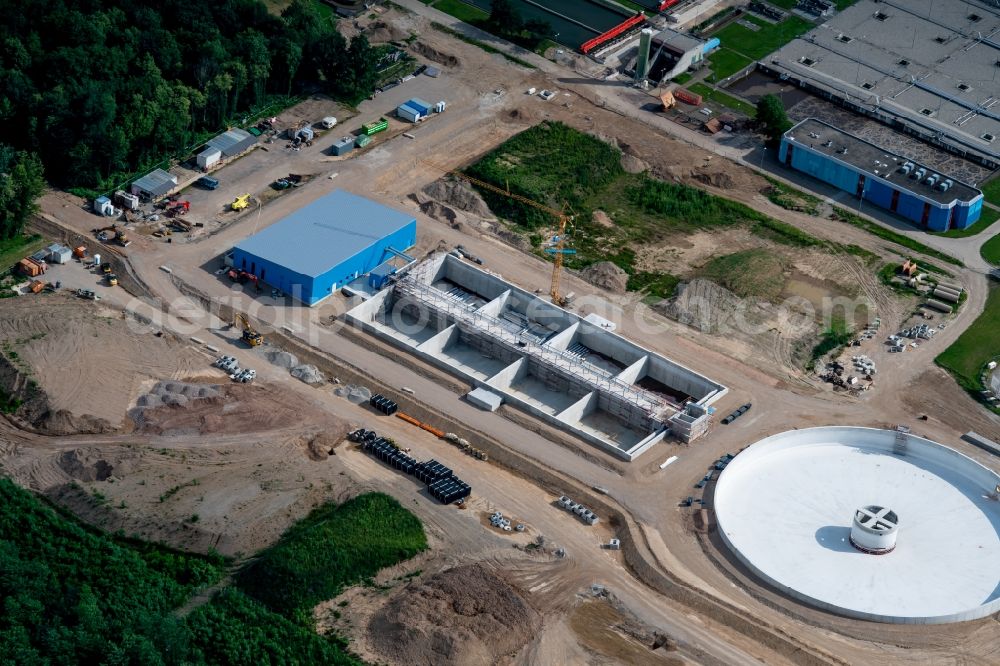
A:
x: 325, y: 245
x: 932, y: 200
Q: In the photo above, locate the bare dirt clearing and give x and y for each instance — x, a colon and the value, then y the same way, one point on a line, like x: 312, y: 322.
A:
x: 86, y: 357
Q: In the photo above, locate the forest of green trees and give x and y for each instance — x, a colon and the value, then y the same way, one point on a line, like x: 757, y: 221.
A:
x: 101, y: 89
x: 72, y: 595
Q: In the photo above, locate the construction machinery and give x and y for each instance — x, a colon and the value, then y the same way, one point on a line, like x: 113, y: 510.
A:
x: 241, y: 202
x: 250, y: 335
x: 241, y: 276
x: 112, y: 280
x: 558, y: 249
x: 112, y: 233
x: 178, y: 208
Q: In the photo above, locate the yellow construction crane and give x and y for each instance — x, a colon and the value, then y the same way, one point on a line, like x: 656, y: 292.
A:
x: 558, y: 251
x: 250, y: 335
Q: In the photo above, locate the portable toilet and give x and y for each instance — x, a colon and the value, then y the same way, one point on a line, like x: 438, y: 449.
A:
x: 103, y: 206
x: 439, y: 107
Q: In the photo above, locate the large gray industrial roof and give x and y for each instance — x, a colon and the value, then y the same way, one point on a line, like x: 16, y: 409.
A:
x: 931, y: 63
x: 233, y: 141
x: 321, y: 235
x: 678, y: 41
x: 156, y: 182
x: 871, y: 159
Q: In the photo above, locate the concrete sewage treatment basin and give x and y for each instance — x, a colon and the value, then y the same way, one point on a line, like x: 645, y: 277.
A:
x: 873, y: 524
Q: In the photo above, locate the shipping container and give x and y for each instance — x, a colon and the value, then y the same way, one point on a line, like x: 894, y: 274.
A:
x: 379, y: 125
x: 688, y: 97
x: 209, y: 157
x: 408, y: 113
x: 362, y: 141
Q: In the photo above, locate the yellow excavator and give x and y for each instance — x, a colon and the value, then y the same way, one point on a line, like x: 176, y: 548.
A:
x: 241, y: 202
x: 250, y: 335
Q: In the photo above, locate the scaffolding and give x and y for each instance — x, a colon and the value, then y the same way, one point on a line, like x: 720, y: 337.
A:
x: 470, y: 320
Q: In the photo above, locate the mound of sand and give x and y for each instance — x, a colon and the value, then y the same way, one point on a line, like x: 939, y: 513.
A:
x: 466, y: 615
x: 380, y: 31
x: 606, y: 275
x: 309, y: 374
x: 718, y: 179
x: 282, y: 359
x: 458, y: 195
x: 603, y: 219
x: 633, y: 164
x: 431, y: 53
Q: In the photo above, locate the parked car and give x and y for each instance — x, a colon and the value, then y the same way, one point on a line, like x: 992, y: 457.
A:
x: 208, y: 182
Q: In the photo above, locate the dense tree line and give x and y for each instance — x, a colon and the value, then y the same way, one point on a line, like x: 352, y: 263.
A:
x: 99, y: 89
x: 21, y: 181
x: 71, y: 595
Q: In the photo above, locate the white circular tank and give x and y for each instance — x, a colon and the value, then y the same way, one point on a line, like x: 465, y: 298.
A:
x: 874, y: 530
x: 812, y: 492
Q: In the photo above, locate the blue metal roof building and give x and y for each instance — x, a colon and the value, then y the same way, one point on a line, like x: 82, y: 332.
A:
x: 325, y: 245
x: 903, y: 186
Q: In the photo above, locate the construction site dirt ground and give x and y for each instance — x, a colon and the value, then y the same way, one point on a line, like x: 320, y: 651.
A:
x: 248, y: 480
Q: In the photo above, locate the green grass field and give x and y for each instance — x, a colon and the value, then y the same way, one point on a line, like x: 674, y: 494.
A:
x: 979, y: 343
x: 726, y: 62
x: 986, y: 219
x: 771, y: 36
x: 728, y: 101
x: 756, y: 273
x: 991, y: 190
x: 741, y: 45
x: 991, y: 250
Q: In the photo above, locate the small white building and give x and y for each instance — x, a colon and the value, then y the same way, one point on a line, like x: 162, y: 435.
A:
x: 209, y: 157
x: 59, y: 254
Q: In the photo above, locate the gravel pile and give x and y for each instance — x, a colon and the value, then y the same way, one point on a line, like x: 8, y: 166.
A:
x: 282, y: 359
x: 356, y: 394
x: 309, y: 374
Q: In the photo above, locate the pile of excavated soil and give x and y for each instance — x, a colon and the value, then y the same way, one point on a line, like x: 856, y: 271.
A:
x: 458, y: 195
x: 380, y: 31
x: 309, y: 374
x: 633, y: 164
x: 439, y: 212
x: 603, y: 219
x: 466, y: 615
x: 431, y: 53
x: 606, y: 275
x: 719, y: 179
